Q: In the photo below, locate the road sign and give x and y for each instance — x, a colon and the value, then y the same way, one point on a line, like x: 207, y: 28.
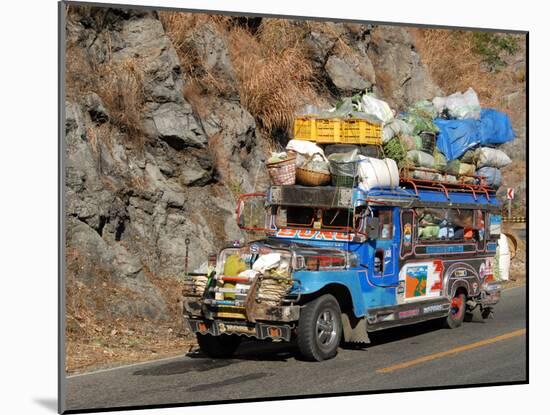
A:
x: 510, y: 193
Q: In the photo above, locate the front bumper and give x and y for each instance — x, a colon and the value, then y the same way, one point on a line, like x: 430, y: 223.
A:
x: 260, y: 331
x: 195, y: 308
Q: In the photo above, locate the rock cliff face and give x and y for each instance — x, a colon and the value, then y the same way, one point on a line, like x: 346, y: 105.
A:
x: 147, y: 166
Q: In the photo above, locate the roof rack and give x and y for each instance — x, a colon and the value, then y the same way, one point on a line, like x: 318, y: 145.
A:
x: 463, y: 183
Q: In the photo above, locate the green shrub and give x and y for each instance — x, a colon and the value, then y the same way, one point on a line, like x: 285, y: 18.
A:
x: 493, y: 46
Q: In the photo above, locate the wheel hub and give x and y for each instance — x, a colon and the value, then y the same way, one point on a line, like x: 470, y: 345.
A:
x: 325, y: 328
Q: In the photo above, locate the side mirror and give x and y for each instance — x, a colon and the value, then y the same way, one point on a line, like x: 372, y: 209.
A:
x: 373, y: 227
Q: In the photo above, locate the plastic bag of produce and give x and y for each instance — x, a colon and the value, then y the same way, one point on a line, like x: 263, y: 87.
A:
x: 493, y: 176
x: 455, y: 167
x: 428, y: 232
x: 277, y: 157
x: 459, y: 105
x: 317, y: 163
x: 421, y: 159
x: 468, y: 169
x: 425, y: 109
x: 344, y: 164
x: 375, y: 173
x: 468, y: 157
x: 394, y: 149
x: 395, y: 127
x: 373, y: 106
x: 440, y: 161
x: 424, y: 175
x: 234, y: 265
x: 420, y: 124
x: 491, y: 157
x: 408, y: 142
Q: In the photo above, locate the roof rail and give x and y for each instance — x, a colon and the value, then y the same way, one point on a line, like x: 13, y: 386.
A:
x: 463, y: 182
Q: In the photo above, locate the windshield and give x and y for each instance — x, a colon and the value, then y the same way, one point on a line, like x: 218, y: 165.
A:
x: 316, y: 218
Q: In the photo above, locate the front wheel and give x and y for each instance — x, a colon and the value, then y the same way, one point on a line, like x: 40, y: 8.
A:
x: 320, y: 329
x: 457, y: 311
x: 218, y: 346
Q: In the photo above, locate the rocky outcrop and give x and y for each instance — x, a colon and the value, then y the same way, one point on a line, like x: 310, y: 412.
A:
x: 132, y: 203
x: 350, y: 73
x: 401, y: 78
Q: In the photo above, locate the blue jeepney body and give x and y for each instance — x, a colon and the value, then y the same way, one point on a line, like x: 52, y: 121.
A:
x: 367, y: 288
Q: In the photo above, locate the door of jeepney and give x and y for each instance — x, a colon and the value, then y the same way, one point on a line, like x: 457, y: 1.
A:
x: 384, y: 250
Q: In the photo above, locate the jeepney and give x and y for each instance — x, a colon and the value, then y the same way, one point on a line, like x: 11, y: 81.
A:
x: 354, y: 262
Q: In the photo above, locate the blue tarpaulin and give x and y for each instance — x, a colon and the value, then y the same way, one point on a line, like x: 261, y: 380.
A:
x: 458, y: 136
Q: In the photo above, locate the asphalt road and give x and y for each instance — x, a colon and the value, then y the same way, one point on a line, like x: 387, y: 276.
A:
x: 416, y: 356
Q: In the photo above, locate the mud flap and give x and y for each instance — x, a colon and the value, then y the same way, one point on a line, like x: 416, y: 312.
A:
x: 355, y: 329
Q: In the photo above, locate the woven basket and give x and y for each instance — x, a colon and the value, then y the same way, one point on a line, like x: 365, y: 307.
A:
x: 311, y: 178
x: 342, y: 181
x: 283, y: 172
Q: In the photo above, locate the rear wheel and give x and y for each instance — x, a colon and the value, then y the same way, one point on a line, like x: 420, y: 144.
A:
x: 457, y: 311
x: 218, y: 346
x: 320, y: 329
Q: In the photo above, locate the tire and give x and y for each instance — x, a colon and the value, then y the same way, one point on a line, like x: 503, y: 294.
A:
x: 457, y: 311
x: 222, y: 346
x: 320, y: 329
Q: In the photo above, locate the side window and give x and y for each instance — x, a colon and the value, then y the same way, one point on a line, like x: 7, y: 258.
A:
x: 449, y: 225
x: 386, y: 224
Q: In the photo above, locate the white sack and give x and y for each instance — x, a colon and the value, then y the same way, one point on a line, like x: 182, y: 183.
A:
x: 460, y: 105
x: 421, y: 158
x: 503, y: 253
x: 374, y: 173
x: 491, y: 157
x: 376, y: 108
x: 267, y: 261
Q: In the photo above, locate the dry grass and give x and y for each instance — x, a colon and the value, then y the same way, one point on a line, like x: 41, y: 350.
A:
x: 455, y: 66
x: 96, y: 339
x: 275, y: 78
x: 179, y: 27
x: 118, y: 83
x: 273, y: 72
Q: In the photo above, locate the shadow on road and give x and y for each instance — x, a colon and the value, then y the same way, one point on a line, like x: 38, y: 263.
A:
x: 256, y: 350
x: 199, y: 362
x: 260, y: 350
x: 184, y: 366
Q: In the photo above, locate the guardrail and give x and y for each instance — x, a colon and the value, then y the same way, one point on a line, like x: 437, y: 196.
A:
x: 514, y: 219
